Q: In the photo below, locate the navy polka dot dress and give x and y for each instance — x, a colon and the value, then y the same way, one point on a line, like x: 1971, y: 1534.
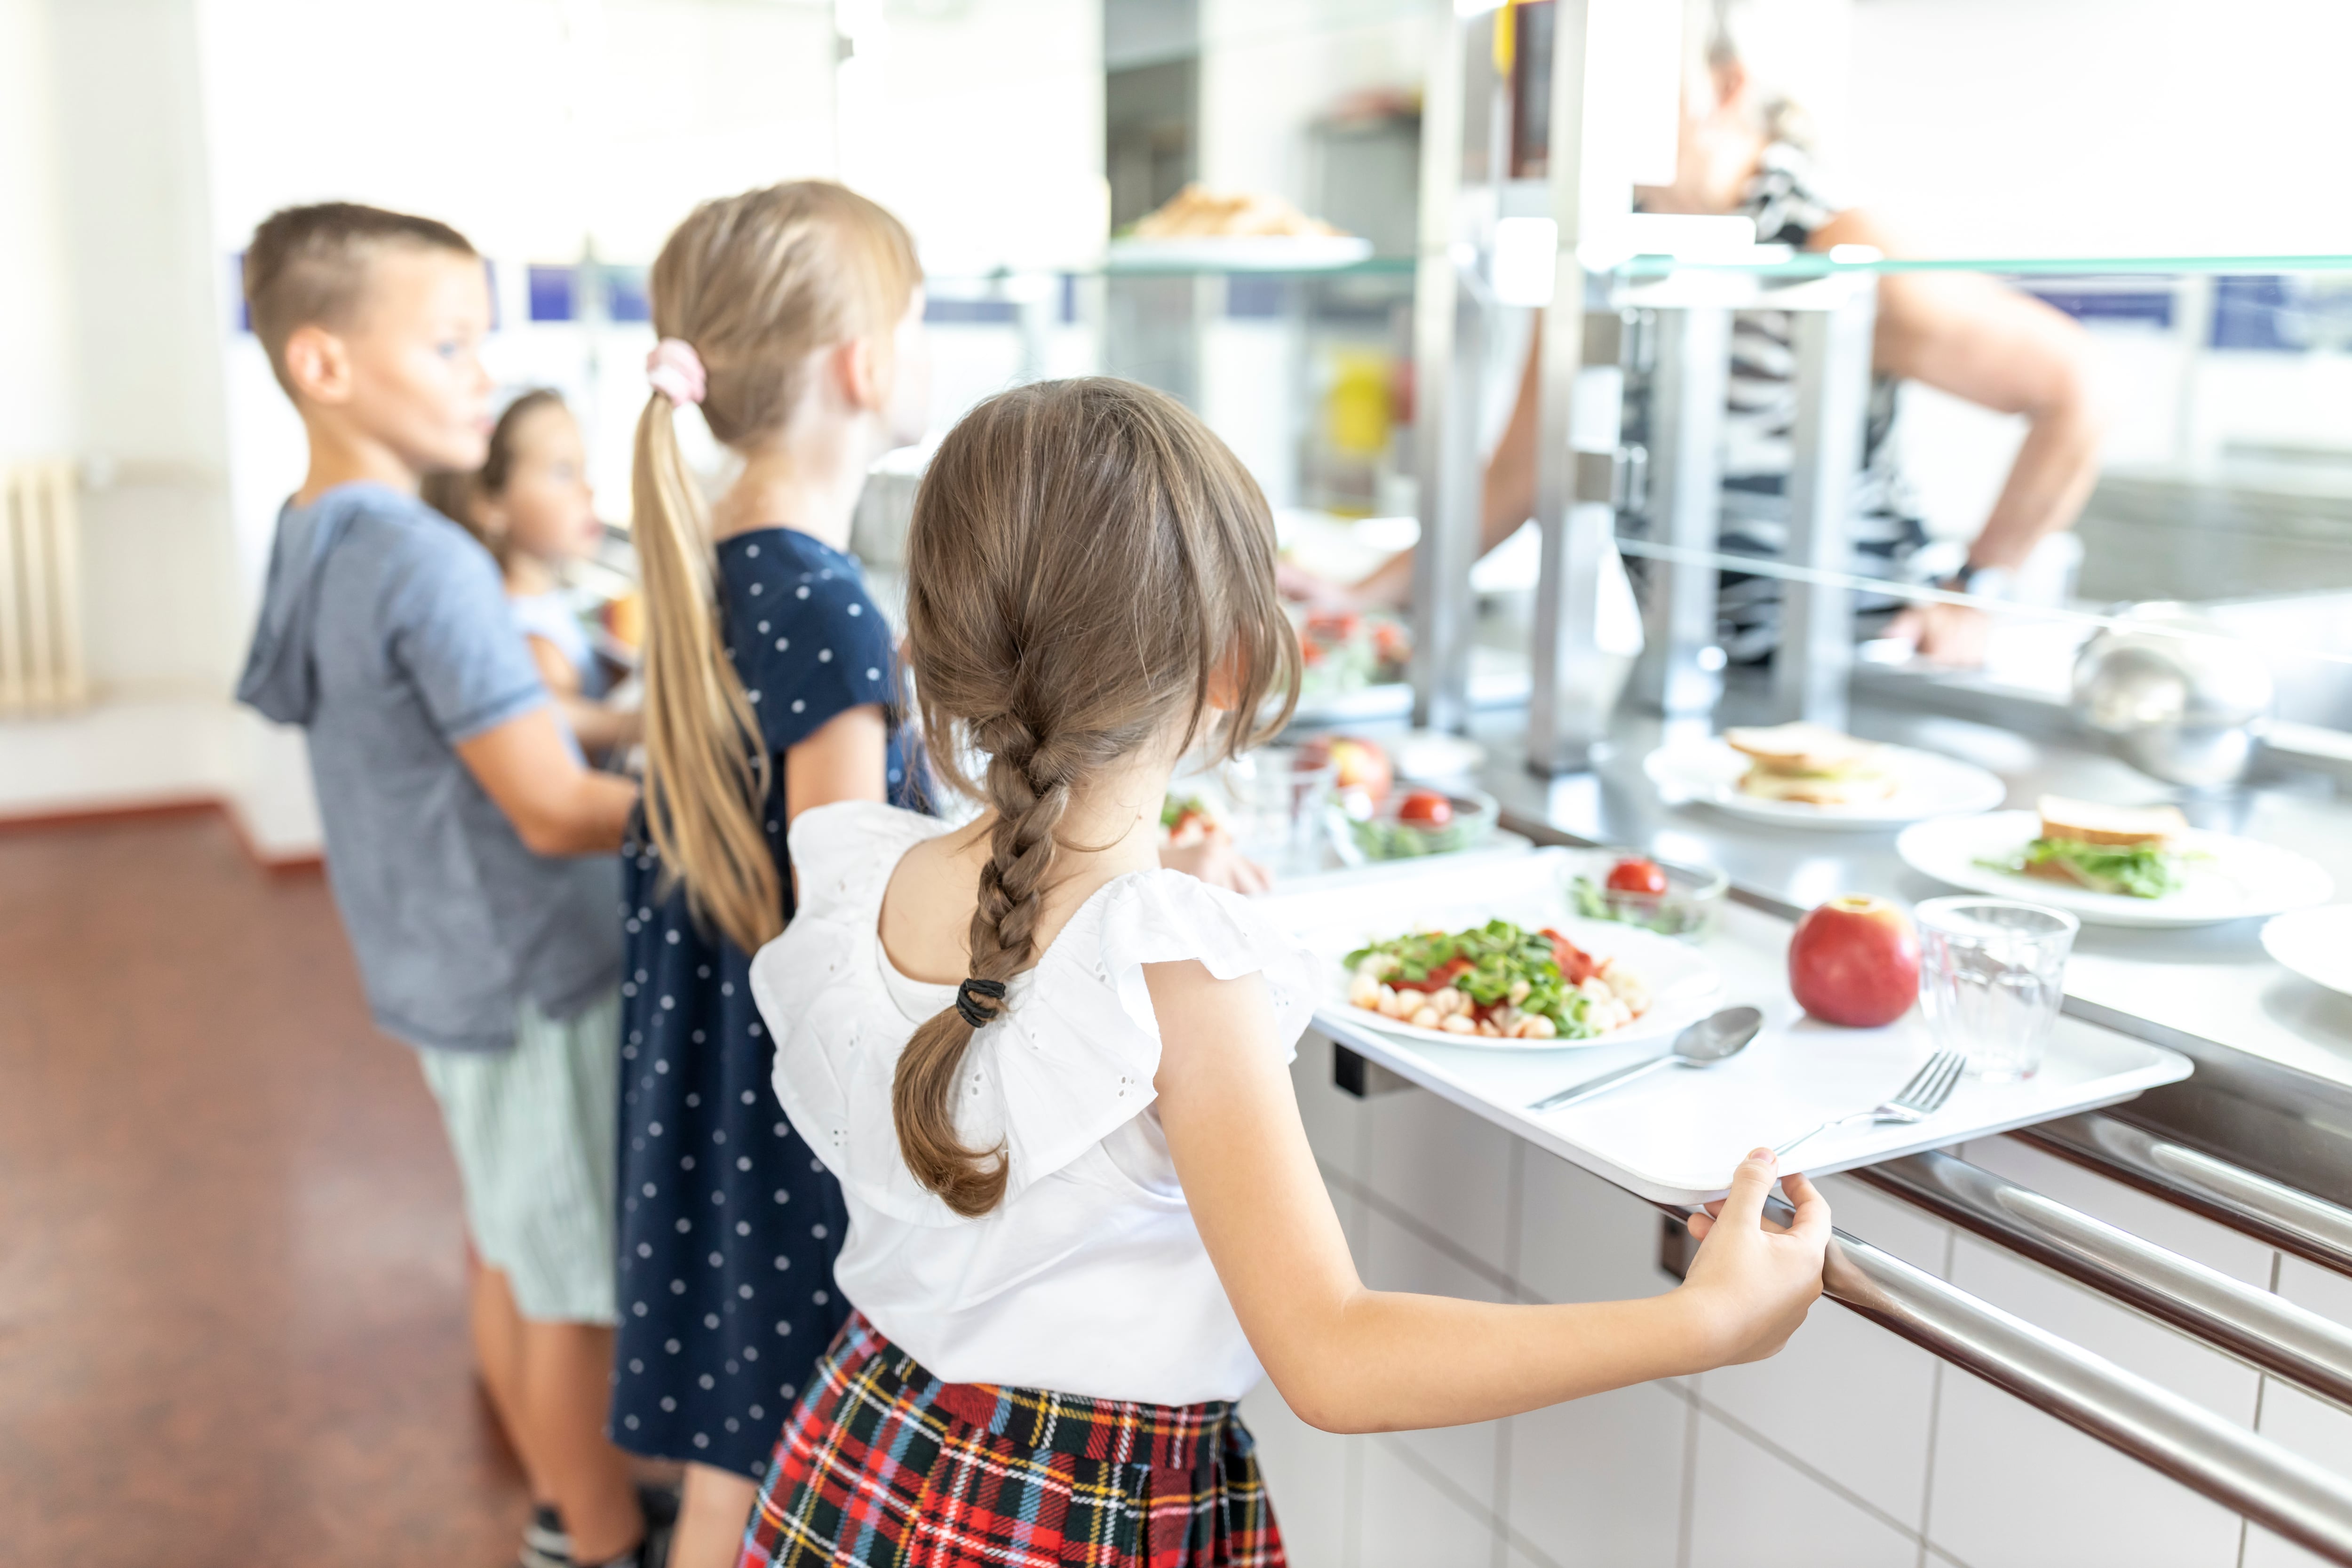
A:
x: 729, y: 1223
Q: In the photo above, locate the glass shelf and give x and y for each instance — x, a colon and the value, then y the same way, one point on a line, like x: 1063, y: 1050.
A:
x: 1773, y: 261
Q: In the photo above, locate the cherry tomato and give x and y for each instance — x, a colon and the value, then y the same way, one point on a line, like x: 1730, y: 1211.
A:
x: 1576, y: 965
x: 1637, y: 876
x: 1425, y: 808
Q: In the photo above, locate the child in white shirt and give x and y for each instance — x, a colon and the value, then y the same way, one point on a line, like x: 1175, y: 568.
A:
x: 1051, y: 1077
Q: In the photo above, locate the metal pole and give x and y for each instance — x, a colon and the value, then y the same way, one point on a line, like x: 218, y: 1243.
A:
x: 2250, y: 1323
x: 2252, y: 1476
x: 1568, y: 709
x: 1448, y: 347
x: 1816, y: 651
x: 1680, y: 674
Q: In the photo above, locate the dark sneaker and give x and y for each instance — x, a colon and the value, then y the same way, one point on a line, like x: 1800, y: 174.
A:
x: 544, y: 1543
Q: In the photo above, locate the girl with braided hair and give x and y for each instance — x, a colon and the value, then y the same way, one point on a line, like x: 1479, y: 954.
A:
x: 1051, y: 1076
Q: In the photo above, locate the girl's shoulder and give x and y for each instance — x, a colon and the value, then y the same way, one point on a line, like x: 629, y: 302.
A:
x: 843, y: 855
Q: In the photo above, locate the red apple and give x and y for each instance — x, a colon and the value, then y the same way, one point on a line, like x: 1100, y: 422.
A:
x: 1360, y: 767
x: 1855, y: 961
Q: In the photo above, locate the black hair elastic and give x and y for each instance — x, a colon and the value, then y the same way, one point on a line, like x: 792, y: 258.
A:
x: 977, y: 1014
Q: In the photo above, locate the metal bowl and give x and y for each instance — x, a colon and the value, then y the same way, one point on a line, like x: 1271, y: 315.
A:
x: 2180, y: 696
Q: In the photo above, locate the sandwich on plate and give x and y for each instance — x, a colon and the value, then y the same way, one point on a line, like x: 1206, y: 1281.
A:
x: 2126, y: 850
x: 1811, y: 764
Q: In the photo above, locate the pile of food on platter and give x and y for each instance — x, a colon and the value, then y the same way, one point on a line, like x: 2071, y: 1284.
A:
x: 1343, y: 651
x: 1811, y: 764
x: 1196, y: 211
x: 1497, y: 981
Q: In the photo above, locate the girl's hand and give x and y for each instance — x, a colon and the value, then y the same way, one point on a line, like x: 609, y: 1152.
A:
x: 1753, y: 1280
x: 1215, y: 861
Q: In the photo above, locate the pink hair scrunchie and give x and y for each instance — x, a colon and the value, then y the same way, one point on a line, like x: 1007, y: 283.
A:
x: 675, y: 371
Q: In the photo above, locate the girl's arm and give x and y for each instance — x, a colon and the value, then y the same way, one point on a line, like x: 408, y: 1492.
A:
x: 847, y: 758
x: 598, y: 727
x: 1351, y: 1360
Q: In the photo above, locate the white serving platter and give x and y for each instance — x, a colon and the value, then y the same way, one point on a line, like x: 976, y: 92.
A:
x: 2225, y: 879
x: 1684, y: 986
x: 1675, y: 1137
x: 1926, y: 784
x: 2316, y: 944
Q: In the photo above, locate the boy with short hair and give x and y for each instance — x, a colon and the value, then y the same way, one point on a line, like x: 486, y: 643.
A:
x: 470, y: 852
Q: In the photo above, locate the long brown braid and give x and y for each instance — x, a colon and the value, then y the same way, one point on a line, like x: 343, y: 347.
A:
x: 1083, y: 560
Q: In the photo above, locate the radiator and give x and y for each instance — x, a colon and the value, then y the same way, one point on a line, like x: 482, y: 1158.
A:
x: 40, y: 590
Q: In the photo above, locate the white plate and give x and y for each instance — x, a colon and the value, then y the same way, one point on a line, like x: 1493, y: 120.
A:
x: 2228, y: 878
x: 2316, y: 944
x: 1683, y: 984
x: 1241, y: 252
x: 1926, y: 786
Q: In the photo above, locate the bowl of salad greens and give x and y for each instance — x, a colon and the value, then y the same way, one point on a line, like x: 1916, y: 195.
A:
x: 1637, y: 890
x: 1412, y: 822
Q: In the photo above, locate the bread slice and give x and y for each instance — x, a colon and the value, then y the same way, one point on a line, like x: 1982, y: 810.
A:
x: 1851, y: 789
x: 1801, y: 748
x: 2086, y: 822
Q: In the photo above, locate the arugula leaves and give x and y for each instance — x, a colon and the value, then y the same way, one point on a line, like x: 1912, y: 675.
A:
x: 2137, y: 870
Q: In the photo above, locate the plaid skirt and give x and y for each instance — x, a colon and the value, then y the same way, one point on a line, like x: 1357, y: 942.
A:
x: 881, y: 1463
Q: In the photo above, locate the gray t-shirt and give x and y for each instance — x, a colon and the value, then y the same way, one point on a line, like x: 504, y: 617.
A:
x: 385, y: 634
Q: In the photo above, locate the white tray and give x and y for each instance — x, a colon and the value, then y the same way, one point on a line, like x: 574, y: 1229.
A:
x: 1676, y: 1136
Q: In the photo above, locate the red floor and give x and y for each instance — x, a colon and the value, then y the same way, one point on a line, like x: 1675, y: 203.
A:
x: 231, y: 1330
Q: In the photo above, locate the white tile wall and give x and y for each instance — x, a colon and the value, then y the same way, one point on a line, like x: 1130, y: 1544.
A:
x: 1582, y: 1240
x: 2016, y: 1489
x: 1411, y: 1521
x: 1598, y: 1482
x: 1315, y: 1477
x: 1396, y: 1259
x: 1850, y: 1447
x: 1442, y: 1166
x: 1758, y: 1513
x: 1852, y: 1400
x: 2264, y: 1550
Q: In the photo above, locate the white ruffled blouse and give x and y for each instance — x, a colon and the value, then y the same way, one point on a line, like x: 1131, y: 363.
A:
x: 1089, y: 1278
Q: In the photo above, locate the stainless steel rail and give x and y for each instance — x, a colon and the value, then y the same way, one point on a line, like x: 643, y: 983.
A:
x: 2294, y: 1221
x: 2278, y: 1489
x: 2250, y: 1323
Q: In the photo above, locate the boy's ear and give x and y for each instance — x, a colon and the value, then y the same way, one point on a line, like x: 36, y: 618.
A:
x: 319, y: 364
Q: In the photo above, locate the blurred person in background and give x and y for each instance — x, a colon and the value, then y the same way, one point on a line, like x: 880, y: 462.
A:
x: 1746, y: 150
x: 531, y: 505
x: 468, y: 849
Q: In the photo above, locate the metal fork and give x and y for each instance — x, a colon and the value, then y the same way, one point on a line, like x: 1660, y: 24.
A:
x: 1915, y: 1101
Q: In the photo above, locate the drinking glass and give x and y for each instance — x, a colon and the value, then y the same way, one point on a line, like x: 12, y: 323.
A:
x: 1991, y: 975
x: 1279, y: 793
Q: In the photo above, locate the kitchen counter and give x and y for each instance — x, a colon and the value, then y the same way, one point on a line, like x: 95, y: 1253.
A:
x: 2210, y: 986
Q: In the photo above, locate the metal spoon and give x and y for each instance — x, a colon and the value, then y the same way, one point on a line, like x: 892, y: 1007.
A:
x: 1705, y: 1043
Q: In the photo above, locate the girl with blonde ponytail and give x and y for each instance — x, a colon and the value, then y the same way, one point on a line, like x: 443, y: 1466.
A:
x: 791, y: 324
x: 1053, y: 1077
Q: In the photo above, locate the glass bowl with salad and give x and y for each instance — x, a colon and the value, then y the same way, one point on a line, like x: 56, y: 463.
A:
x: 1638, y: 889
x: 1413, y: 822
